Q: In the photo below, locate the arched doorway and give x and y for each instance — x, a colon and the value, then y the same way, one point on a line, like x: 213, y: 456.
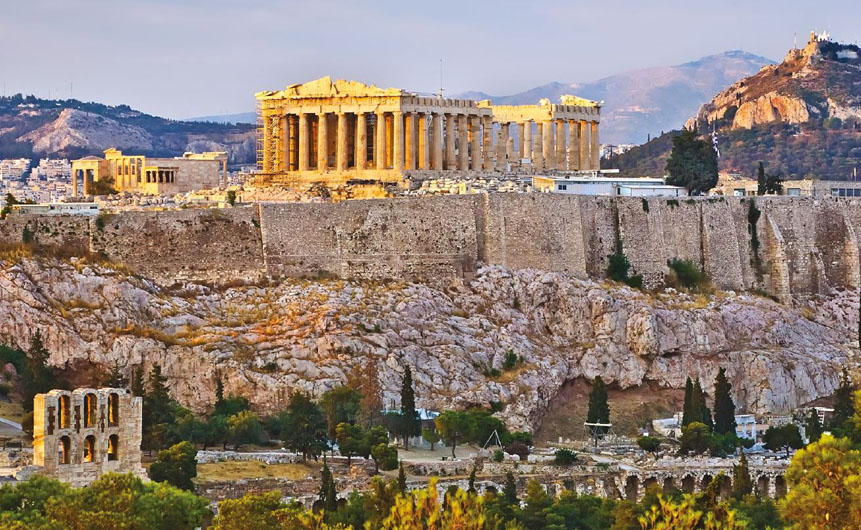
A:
x: 632, y: 488
x: 762, y: 484
x: 689, y: 484
x: 669, y: 484
x: 779, y: 487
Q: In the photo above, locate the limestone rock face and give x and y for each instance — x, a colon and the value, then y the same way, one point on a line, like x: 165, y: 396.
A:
x: 265, y: 342
x: 768, y: 108
x: 87, y: 130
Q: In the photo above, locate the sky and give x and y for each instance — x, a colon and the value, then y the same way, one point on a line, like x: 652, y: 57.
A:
x: 186, y: 58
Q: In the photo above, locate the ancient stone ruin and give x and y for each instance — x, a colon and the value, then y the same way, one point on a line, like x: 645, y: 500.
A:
x: 82, y: 434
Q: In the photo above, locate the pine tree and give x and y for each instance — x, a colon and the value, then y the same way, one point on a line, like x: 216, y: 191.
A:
x: 700, y: 412
x: 509, y: 491
x: 692, y: 163
x: 328, y: 495
x: 761, y: 184
x: 115, y: 378
x: 843, y: 405
x: 599, y: 409
x: 741, y: 482
x: 724, y: 419
x: 402, y: 478
x: 410, y: 424
x: 37, y: 378
x: 158, y: 411
x: 687, y: 415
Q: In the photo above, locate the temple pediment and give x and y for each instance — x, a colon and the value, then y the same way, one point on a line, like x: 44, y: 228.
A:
x: 568, y: 99
x: 325, y: 87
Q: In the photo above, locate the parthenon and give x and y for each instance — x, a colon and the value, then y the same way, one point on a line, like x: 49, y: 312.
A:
x: 345, y: 130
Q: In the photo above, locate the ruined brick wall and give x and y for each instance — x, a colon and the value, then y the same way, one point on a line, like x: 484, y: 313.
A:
x: 80, y: 435
x: 805, y: 245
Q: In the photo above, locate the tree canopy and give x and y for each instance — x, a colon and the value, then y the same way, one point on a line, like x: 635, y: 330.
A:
x: 692, y: 163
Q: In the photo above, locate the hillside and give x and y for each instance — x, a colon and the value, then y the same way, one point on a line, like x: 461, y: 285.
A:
x: 266, y: 341
x: 801, y: 118
x: 647, y: 101
x: 33, y: 127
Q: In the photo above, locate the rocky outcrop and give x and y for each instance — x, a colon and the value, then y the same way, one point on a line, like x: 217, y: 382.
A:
x: 768, y: 108
x: 86, y: 130
x: 267, y: 341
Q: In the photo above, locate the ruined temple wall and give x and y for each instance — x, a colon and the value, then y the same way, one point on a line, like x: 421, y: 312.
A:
x: 433, y: 237
x: 218, y: 245
x: 541, y: 231
x: 724, y: 244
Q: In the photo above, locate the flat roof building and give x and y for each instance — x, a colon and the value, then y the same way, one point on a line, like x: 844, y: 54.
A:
x: 600, y: 184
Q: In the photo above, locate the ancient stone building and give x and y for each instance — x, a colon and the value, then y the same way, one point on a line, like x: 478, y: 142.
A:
x: 335, y: 131
x: 152, y: 176
x: 82, y: 434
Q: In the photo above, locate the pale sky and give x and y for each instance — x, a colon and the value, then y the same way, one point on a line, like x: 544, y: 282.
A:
x: 184, y: 58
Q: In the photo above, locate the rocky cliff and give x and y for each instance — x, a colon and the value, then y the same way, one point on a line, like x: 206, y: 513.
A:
x: 266, y: 341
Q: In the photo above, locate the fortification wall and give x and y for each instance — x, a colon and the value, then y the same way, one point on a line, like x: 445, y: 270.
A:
x: 797, y: 245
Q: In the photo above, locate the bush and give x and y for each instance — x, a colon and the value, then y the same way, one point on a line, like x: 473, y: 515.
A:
x: 686, y: 273
x: 176, y: 466
x: 511, y: 360
x: 498, y: 456
x: 695, y: 438
x: 649, y: 444
x: 564, y: 457
x: 617, y: 270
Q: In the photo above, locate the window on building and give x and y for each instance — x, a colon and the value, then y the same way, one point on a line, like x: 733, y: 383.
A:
x: 64, y: 412
x: 90, y: 406
x: 113, y: 409
x: 90, y: 448
x: 835, y: 192
x: 793, y: 192
x: 113, y: 447
x: 64, y: 446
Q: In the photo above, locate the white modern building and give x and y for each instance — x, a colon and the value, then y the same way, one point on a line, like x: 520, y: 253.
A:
x: 601, y: 183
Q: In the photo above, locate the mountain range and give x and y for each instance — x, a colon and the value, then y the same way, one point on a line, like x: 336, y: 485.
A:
x: 637, y: 104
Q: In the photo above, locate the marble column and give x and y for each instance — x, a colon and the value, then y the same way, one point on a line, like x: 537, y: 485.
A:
x: 487, y: 142
x: 342, y: 142
x: 361, y: 141
x: 463, y: 142
x: 437, y: 141
x: 74, y: 183
x: 509, y: 142
x: 450, y: 126
x: 322, y: 142
x: 284, y: 148
x: 573, y: 146
x: 380, y: 144
x: 584, y: 145
x: 595, y: 151
x: 398, y: 147
x: 424, y: 162
x: 527, y: 141
x: 560, y: 145
x: 475, y: 144
x: 304, y: 143
x: 548, y: 150
x: 537, y: 149
x: 410, y: 140
x: 293, y: 145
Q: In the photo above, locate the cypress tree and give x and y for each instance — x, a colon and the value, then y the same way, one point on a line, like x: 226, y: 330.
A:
x: 471, y: 488
x: 328, y: 494
x: 699, y: 411
x: 138, y: 388
x: 686, y: 410
x: 724, y: 405
x: 741, y: 482
x: 843, y: 406
x: 599, y: 409
x: 219, y: 390
x: 402, y: 478
x: 410, y: 424
x: 509, y: 491
x: 761, y: 185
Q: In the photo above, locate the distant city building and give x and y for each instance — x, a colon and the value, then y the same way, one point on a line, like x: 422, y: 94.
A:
x: 608, y: 150
x: 13, y: 168
x: 598, y: 183
x: 154, y: 176
x: 735, y: 186
x: 58, y: 208
x: 52, y: 169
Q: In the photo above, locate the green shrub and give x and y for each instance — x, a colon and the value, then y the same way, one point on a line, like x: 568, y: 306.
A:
x: 564, y: 457
x: 649, y: 444
x: 618, y: 267
x: 686, y: 272
x: 645, y: 204
x: 511, y: 360
x: 498, y: 456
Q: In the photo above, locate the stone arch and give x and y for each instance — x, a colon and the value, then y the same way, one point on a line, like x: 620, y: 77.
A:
x: 725, y: 485
x: 113, y: 409
x: 779, y: 487
x: 689, y: 484
x: 113, y: 447
x: 89, y: 453
x: 669, y: 484
x: 64, y: 412
x: 762, y: 485
x: 90, y: 407
x: 632, y: 488
x: 706, y: 480
x: 649, y: 482
x: 64, y: 446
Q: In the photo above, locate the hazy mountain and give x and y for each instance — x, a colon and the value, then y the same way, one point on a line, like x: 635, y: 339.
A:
x: 650, y: 100
x: 32, y: 127
x: 242, y: 117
